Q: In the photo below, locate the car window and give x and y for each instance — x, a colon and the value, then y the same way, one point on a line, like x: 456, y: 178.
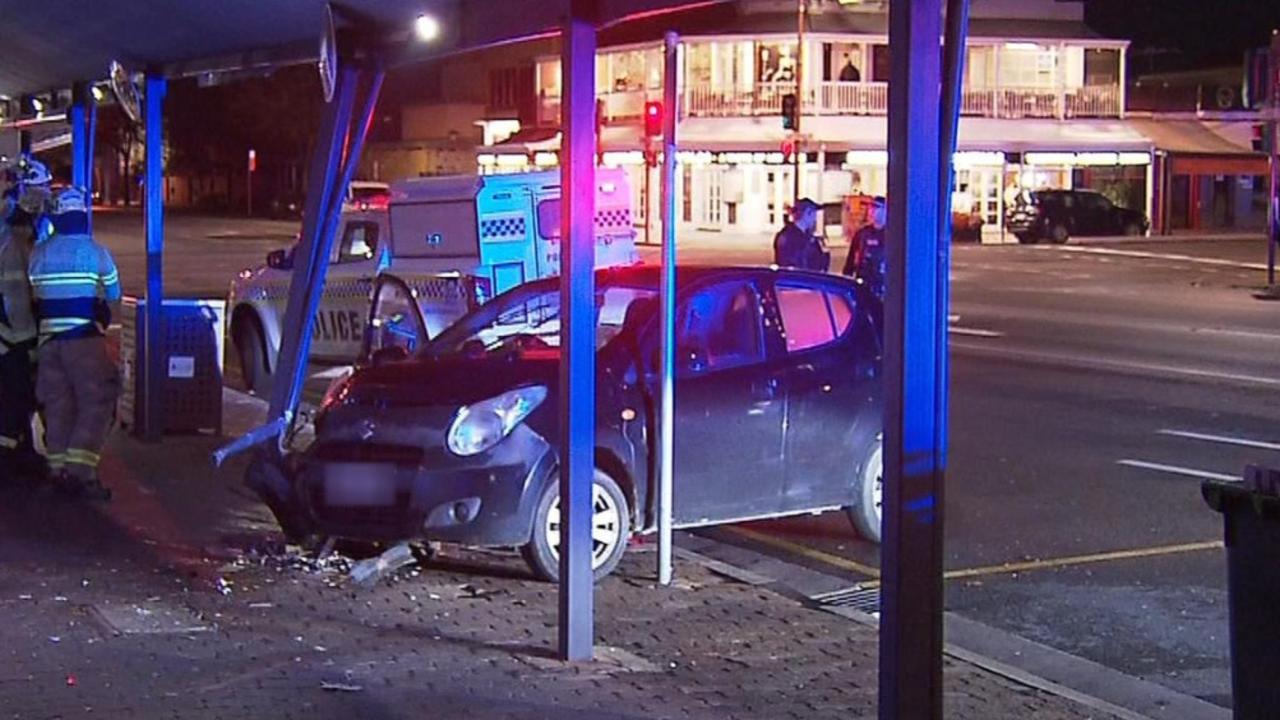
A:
x: 549, y: 219
x: 812, y: 317
x: 359, y: 242
x: 1098, y: 202
x: 719, y: 328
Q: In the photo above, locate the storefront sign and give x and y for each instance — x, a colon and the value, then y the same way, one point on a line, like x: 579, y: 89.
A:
x: 1087, y: 159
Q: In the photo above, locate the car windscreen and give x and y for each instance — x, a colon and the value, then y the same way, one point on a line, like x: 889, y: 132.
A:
x: 529, y: 318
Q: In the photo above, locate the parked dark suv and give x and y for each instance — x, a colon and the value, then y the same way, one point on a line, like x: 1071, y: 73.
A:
x: 1057, y: 215
x: 778, y: 412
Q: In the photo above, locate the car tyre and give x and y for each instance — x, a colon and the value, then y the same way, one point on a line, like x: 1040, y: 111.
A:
x: 867, y: 511
x: 1059, y: 234
x: 610, y: 523
x: 1027, y: 238
x: 251, y: 348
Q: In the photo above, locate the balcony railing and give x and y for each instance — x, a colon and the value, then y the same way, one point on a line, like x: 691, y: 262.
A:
x: 858, y: 98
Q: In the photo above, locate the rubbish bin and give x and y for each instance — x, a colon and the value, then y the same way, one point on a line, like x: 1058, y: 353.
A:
x: 191, y: 362
x: 1251, y: 517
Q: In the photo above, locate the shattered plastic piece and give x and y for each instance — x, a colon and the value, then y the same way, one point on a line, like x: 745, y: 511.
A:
x: 71, y: 681
x: 261, y: 605
x: 340, y: 687
x: 223, y: 586
x: 367, y: 573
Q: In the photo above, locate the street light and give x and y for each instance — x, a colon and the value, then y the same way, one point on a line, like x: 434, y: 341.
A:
x: 426, y: 27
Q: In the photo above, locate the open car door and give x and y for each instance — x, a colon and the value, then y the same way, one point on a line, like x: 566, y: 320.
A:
x: 396, y: 326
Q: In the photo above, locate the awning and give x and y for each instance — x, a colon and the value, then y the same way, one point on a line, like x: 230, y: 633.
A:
x: 1194, y: 137
x: 837, y: 134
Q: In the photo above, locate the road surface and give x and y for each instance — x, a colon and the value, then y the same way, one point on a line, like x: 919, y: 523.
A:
x: 1093, y: 388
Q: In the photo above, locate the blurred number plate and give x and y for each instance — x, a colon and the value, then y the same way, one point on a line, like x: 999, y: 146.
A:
x: 359, y: 484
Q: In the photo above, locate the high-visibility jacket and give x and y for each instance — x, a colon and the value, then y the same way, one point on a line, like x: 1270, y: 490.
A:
x: 17, y: 318
x: 73, y: 279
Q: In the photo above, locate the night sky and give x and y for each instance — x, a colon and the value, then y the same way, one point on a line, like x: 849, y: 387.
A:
x: 1194, y: 33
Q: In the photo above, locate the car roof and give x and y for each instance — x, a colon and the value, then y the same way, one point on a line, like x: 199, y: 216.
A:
x: 647, y: 276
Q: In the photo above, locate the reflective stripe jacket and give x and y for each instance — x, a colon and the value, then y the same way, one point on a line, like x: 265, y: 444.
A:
x: 17, y: 319
x: 72, y: 278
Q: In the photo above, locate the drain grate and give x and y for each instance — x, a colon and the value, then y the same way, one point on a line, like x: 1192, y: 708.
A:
x: 865, y: 600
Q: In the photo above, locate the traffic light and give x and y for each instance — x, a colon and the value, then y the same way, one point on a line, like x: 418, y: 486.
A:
x: 653, y: 118
x: 790, y: 112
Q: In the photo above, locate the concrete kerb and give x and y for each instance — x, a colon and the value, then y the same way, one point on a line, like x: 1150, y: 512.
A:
x: 1015, y: 658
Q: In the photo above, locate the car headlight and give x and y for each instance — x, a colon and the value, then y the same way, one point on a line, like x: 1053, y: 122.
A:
x: 482, y: 425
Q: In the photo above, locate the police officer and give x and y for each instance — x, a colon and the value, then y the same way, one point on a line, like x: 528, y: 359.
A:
x: 865, y: 260
x: 796, y: 245
x: 75, y: 282
x: 19, y: 207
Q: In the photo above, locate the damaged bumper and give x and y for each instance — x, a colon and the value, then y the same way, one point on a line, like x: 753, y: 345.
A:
x: 386, y: 475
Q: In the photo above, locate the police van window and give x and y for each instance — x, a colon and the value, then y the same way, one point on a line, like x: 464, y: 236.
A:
x: 359, y: 242
x: 812, y: 317
x: 549, y: 219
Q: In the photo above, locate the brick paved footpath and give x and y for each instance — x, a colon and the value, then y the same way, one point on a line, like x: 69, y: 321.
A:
x: 118, y: 612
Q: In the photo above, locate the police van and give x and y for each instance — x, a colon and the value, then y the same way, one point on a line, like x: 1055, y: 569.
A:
x: 439, y: 247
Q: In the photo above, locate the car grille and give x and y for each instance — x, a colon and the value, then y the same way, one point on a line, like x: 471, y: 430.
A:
x: 368, y: 452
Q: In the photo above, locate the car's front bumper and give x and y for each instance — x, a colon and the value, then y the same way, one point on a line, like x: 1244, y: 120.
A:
x: 404, y: 484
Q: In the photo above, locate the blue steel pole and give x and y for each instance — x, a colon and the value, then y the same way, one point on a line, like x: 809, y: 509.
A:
x: 153, y: 214
x: 78, y: 119
x: 577, y: 312
x: 91, y: 153
x: 311, y: 257
x: 955, y: 38
x: 915, y: 386
x: 667, y: 297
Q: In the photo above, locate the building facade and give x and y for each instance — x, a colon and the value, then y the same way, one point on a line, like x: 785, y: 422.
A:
x: 1042, y: 107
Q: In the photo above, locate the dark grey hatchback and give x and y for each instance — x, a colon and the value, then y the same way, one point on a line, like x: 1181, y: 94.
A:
x: 778, y: 412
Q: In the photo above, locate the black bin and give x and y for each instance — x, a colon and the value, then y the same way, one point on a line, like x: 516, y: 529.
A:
x: 1251, y: 518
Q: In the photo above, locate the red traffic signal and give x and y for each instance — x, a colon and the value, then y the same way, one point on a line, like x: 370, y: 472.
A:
x: 653, y: 118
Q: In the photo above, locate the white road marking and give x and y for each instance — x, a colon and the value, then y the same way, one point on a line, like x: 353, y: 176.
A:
x: 1236, y: 333
x: 1119, y: 365
x: 1155, y: 256
x: 1178, y: 470
x: 975, y: 332
x: 1225, y: 439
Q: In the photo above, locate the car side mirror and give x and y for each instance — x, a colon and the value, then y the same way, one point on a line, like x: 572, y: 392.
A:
x: 280, y: 260
x: 389, y: 354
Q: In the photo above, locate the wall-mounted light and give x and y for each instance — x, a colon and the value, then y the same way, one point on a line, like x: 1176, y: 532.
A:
x: 98, y: 93
x: 37, y: 105
x: 426, y: 27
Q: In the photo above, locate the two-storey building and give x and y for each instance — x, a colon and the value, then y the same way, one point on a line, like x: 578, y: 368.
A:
x: 1043, y: 106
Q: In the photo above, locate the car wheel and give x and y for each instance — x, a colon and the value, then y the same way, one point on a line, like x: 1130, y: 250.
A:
x: 610, y: 529
x: 1059, y: 234
x: 1027, y: 238
x: 251, y: 348
x: 867, y: 512
x: 1132, y: 229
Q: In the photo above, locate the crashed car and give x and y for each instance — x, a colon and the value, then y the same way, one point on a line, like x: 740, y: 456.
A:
x: 778, y: 412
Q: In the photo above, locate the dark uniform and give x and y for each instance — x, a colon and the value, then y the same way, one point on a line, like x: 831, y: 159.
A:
x: 17, y: 345
x: 793, y: 247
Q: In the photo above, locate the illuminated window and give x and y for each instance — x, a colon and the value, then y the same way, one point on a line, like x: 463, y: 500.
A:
x: 812, y: 317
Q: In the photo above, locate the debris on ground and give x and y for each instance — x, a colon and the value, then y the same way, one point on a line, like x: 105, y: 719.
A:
x: 367, y: 573
x: 343, y: 685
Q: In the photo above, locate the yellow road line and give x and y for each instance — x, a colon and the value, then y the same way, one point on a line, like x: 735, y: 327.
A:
x: 1071, y: 560
x: 1001, y: 569
x: 803, y: 551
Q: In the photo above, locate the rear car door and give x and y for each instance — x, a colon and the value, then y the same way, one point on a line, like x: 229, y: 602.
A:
x: 832, y: 390
x: 729, y: 408
x: 344, y: 305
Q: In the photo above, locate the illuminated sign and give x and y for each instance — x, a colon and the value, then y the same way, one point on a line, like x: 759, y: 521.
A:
x: 1087, y: 159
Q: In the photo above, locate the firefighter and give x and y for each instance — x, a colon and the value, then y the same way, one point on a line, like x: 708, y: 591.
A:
x: 22, y: 204
x: 75, y: 283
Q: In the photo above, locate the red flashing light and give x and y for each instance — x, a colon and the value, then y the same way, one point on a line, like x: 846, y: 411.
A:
x: 653, y: 118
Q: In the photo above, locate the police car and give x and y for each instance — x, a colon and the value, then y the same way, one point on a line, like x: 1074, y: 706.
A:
x: 437, y: 249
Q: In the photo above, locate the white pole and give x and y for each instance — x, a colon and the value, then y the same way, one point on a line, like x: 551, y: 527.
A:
x: 667, y: 293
